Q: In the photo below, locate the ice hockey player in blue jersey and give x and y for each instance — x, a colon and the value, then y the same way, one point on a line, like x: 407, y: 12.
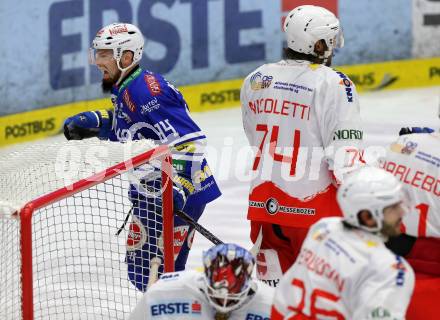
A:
x: 146, y: 106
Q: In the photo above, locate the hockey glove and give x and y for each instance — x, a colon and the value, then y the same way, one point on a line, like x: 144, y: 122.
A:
x: 89, y: 124
x: 407, y: 130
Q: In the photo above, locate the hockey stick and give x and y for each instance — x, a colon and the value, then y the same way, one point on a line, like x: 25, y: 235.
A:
x: 154, y: 271
x: 208, y: 235
x: 202, y: 230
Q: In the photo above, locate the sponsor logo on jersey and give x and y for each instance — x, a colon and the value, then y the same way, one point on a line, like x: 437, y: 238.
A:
x: 169, y: 276
x: 347, y: 84
x: 291, y: 87
x: 259, y: 81
x: 151, y: 105
x: 153, y: 84
x: 196, y: 307
x: 379, y: 313
x: 408, y: 147
x: 127, y: 100
x: 321, y: 233
x: 348, y: 134
x: 401, y: 269
x: 137, y: 235
x: 176, y: 308
x: 253, y: 316
x: 272, y: 207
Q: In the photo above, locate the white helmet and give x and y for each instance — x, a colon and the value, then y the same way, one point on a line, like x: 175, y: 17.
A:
x: 368, y: 188
x: 305, y: 25
x: 119, y: 37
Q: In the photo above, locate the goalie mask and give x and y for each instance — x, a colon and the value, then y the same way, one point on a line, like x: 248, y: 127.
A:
x: 228, y: 269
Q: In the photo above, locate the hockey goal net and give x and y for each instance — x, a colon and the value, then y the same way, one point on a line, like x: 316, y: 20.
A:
x: 62, y: 205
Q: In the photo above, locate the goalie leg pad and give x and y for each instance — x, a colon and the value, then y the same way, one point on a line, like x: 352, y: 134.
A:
x: 144, y: 240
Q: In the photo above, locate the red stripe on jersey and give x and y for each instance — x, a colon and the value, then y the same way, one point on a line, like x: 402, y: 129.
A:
x: 268, y: 203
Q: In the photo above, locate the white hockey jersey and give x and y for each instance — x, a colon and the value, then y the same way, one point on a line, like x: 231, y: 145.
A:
x: 302, y: 120
x: 179, y: 295
x: 344, y: 273
x: 415, y: 160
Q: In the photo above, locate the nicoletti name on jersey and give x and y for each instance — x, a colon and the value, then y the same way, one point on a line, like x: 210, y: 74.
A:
x: 284, y: 108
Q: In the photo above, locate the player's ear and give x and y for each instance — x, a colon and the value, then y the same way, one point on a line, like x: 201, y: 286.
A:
x: 127, y: 58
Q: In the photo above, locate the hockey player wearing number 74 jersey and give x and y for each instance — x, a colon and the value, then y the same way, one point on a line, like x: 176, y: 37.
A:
x: 302, y: 118
x: 344, y: 270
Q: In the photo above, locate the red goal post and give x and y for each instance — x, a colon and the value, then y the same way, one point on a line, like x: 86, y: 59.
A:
x: 59, y: 255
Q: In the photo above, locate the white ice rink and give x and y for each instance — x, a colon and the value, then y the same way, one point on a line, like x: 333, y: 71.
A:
x: 383, y: 114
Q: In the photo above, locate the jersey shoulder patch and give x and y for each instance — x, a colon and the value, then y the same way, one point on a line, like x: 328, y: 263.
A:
x: 153, y: 84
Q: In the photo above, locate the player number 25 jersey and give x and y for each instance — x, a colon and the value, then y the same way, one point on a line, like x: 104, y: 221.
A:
x: 344, y: 274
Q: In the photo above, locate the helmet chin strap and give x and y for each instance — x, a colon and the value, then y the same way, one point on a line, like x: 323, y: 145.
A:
x: 123, y: 70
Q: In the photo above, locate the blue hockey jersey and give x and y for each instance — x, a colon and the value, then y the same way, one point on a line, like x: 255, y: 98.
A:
x: 147, y: 106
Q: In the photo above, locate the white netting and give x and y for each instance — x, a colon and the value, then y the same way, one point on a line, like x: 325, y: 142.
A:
x: 31, y: 170
x: 80, y: 268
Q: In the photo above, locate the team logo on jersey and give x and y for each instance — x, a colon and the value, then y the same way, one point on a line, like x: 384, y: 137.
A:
x: 137, y: 235
x: 401, y: 269
x: 127, y: 100
x: 347, y: 84
x: 153, y: 84
x: 260, y: 81
x: 272, y: 206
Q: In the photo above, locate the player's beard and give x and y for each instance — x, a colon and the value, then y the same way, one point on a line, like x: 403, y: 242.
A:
x: 107, y: 84
x: 391, y: 230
